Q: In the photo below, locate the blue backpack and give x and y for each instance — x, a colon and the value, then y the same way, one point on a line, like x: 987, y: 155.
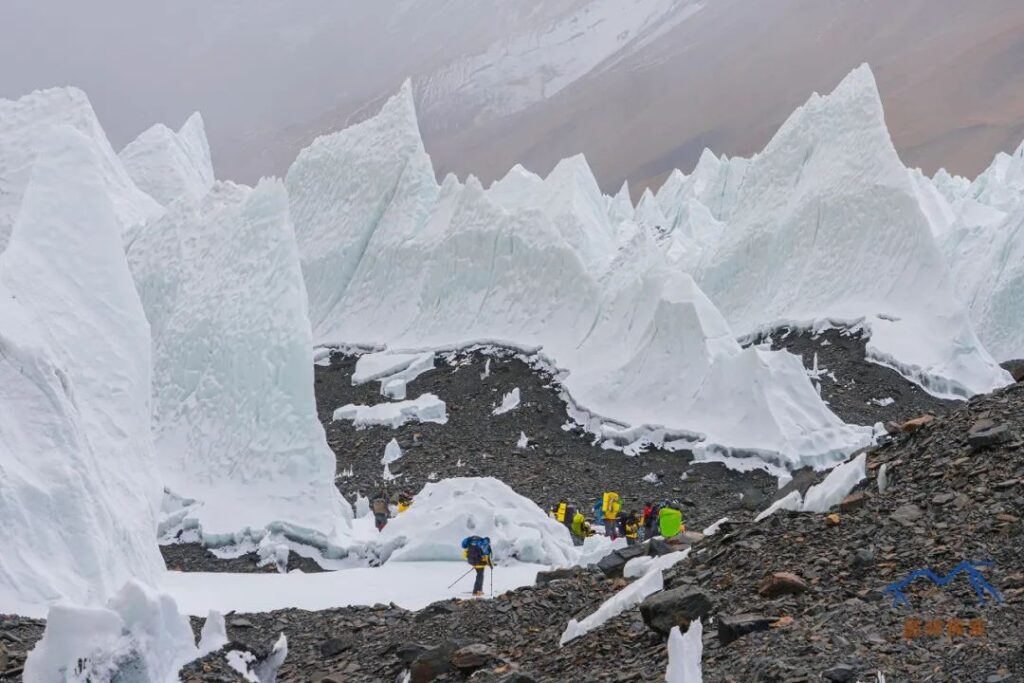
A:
x: 477, y: 549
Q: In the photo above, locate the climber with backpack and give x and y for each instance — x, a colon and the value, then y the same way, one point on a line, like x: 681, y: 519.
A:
x: 379, y: 506
x: 629, y: 526
x: 477, y: 551
x: 611, y: 506
x: 579, y: 528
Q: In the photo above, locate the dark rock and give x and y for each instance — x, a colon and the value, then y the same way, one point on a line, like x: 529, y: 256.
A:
x: 863, y: 557
x: 544, y: 578
x: 854, y: 501
x: 782, y: 583
x: 676, y: 607
x: 335, y: 646
x: 517, y: 677
x: 408, y: 652
x: 731, y: 627
x: 657, y: 547
x: 472, y: 657
x: 433, y: 662
x: 431, y: 611
x: 753, y: 500
x: 907, y: 514
x: 840, y: 673
x: 943, y: 498
x: 987, y: 438
x: 613, y: 563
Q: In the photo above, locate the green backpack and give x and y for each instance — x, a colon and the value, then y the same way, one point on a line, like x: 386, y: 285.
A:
x: 670, y: 522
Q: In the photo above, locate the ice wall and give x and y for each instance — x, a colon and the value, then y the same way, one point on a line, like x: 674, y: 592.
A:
x: 234, y: 416
x: 827, y: 226
x: 78, y: 484
x: 26, y: 125
x: 536, y: 262
x: 168, y: 165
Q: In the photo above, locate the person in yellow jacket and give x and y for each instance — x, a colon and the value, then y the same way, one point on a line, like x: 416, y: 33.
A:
x: 404, y: 501
x: 611, y: 506
x: 580, y: 529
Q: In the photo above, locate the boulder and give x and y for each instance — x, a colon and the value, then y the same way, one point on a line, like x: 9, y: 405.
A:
x: 472, y: 657
x: 335, y: 646
x: 734, y: 626
x: 433, y: 662
x: 676, y: 607
x: 863, y: 557
x: 657, y: 547
x: 433, y: 610
x: 988, y: 438
x: 853, y: 501
x: 613, y: 563
x: 544, y: 578
x: 782, y: 583
x: 832, y: 519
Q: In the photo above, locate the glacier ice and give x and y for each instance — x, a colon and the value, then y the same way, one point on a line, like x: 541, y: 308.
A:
x: 391, y: 258
x: 234, y: 417
x: 168, y: 165
x: 79, y: 493
x: 426, y: 408
x: 26, y: 124
x: 684, y: 654
x: 985, y: 250
x: 445, y: 512
x: 138, y: 636
x: 827, y: 226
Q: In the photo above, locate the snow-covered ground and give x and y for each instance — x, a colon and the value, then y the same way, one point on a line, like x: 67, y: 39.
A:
x: 412, y: 585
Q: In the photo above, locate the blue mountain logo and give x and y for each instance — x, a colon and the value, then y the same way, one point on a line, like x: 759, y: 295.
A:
x: 978, y: 582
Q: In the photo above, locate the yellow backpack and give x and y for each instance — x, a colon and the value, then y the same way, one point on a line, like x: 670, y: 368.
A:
x: 610, y: 505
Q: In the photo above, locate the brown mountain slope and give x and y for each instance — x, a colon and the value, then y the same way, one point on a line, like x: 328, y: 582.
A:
x: 949, y: 72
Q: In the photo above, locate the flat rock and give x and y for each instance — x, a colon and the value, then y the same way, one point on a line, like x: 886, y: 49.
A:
x: 782, y: 583
x: 734, y: 626
x: 987, y: 438
x: 907, y: 514
x: 911, y: 426
x: 854, y: 501
x: 472, y: 657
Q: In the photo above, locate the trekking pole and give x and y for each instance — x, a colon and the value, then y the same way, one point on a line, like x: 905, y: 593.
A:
x: 492, y: 579
x: 460, y: 578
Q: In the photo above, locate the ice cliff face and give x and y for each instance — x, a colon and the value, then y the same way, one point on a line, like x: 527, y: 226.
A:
x: 234, y: 416
x: 79, y: 491
x: 25, y: 126
x: 168, y: 165
x: 391, y: 258
x: 827, y: 225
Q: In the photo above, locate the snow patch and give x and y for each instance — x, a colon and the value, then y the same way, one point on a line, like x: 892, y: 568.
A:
x: 684, y: 654
x: 426, y: 408
x: 509, y: 402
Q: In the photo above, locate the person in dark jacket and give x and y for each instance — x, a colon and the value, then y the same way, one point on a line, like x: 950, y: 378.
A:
x: 477, y: 551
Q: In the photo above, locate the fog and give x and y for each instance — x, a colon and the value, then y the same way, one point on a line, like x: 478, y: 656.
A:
x: 639, y: 86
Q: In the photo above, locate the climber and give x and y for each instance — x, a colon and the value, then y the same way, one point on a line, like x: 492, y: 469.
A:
x: 579, y: 528
x: 564, y: 514
x: 404, y: 501
x: 379, y: 506
x: 647, y: 520
x: 611, y: 505
x: 670, y: 520
x: 629, y: 526
x: 477, y: 552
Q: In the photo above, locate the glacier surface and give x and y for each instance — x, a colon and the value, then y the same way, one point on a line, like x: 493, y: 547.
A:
x: 79, y: 492
x: 168, y: 165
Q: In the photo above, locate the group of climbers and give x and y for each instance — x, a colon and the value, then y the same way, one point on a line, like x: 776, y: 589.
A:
x: 384, y: 507
x: 659, y: 519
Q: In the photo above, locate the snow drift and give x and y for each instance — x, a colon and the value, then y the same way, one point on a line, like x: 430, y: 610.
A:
x: 827, y: 226
x: 391, y: 258
x: 78, y: 487
x: 446, y: 512
x: 168, y: 165
x: 27, y: 124
x: 234, y: 417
